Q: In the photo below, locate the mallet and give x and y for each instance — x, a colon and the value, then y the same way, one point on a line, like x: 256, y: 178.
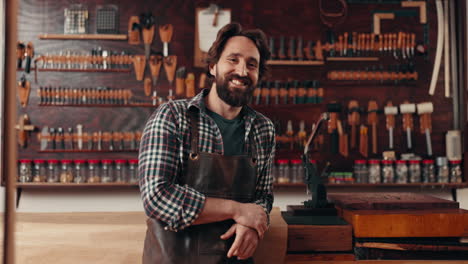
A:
x: 407, y: 110
x: 424, y: 111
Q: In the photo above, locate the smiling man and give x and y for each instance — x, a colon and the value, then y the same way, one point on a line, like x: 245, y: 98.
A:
x: 205, y: 163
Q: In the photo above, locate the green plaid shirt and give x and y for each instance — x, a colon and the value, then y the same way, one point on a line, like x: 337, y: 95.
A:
x: 164, y: 150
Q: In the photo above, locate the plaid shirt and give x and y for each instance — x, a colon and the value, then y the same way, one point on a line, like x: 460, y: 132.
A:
x: 164, y: 150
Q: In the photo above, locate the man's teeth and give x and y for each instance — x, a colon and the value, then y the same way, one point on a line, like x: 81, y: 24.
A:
x: 237, y: 82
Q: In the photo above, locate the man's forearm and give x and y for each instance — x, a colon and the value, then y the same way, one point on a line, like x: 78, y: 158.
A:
x: 216, y: 210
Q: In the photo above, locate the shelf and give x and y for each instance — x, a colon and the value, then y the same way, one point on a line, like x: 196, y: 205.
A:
x: 33, y: 185
x: 287, y: 106
x: 103, y: 105
x: 85, y: 151
x: 295, y: 63
x: 79, y: 70
x: 352, y: 59
x: 84, y: 36
x: 378, y: 185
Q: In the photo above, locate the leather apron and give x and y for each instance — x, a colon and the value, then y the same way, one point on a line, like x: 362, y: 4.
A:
x: 214, y: 175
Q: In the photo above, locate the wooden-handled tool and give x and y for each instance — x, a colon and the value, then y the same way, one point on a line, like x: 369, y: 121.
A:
x: 20, y: 54
x: 165, y: 33
x: 23, y: 127
x: 353, y: 120
x: 334, y: 109
x: 29, y: 56
x: 180, y: 82
x: 424, y: 111
x: 343, y: 137
x: 147, y: 86
x: 170, y: 64
x: 134, y: 29
x: 147, y: 22
x: 155, y: 63
x: 24, y: 89
x: 407, y: 110
x: 390, y: 112
x: 139, y: 63
x: 363, y: 139
x: 372, y: 120
x: 190, y: 85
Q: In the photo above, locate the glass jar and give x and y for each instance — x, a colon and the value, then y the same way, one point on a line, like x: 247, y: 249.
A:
x: 94, y: 175
x: 374, y: 171
x: 456, y: 171
x: 283, y: 171
x: 361, y: 173
x: 80, y: 171
x: 414, y: 170
x: 428, y: 171
x: 53, y: 171
x: 297, y: 171
x: 388, y: 172
x: 401, y: 171
x: 106, y: 171
x: 133, y: 171
x: 25, y: 170
x: 40, y: 171
x: 442, y: 170
x: 120, y: 171
x: 66, y: 171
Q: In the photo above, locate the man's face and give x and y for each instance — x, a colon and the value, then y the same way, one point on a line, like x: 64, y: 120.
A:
x: 236, y: 72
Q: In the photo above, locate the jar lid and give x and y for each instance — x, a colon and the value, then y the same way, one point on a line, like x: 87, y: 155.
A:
x: 120, y: 161
x: 93, y: 161
x: 52, y: 161
x: 455, y: 161
x: 39, y: 161
x: 106, y: 161
x: 414, y: 161
x: 441, y: 161
x: 296, y: 161
x: 401, y: 162
x: 360, y: 162
x: 283, y: 161
x: 374, y: 161
x: 80, y: 161
x: 133, y: 161
x: 428, y: 161
x: 66, y: 161
x: 25, y: 161
x: 387, y: 161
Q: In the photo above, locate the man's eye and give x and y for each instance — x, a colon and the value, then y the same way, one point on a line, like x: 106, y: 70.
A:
x: 253, y: 65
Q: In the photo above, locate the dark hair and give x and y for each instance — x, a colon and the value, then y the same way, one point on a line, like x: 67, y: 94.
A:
x: 235, y: 29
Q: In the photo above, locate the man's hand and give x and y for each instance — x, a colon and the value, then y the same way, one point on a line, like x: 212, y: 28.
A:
x: 245, y: 243
x: 253, y: 216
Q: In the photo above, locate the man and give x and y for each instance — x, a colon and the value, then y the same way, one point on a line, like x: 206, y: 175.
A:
x: 205, y: 163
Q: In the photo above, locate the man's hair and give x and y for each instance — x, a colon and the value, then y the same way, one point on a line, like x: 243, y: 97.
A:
x: 235, y: 29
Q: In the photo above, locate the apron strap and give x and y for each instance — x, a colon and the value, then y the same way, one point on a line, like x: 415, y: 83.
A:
x: 194, y: 116
x: 251, y: 145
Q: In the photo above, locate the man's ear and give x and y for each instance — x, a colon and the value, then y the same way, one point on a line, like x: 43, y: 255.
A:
x: 213, y: 69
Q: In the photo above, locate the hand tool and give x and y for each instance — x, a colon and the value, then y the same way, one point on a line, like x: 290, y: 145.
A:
x: 202, y: 81
x: 312, y: 93
x: 79, y: 133
x: 290, y: 134
x: 334, y: 109
x: 23, y: 126
x: 165, y: 33
x: 271, y: 47
x: 44, y: 137
x: 363, y: 139
x: 292, y: 93
x: 265, y: 93
x: 24, y: 89
x: 137, y: 137
x: 320, y: 94
x: 59, y: 138
x: 170, y: 63
x: 343, y: 140
x: 88, y: 137
x: 353, y: 120
x: 407, y: 110
x: 274, y: 93
x: 309, y: 54
x: 68, y: 139
x: 301, y: 135
x: 154, y: 98
x: 180, y: 82
x: 318, y: 51
x: 292, y: 49
x: 139, y: 63
x: 390, y: 112
x: 440, y: 46
x: 300, y: 49
x: 446, y: 50
x: 372, y: 120
x: 147, y: 22
x: 29, y: 55
x: 282, y: 52
x: 340, y: 45
x: 283, y: 92
x: 147, y: 86
x: 155, y: 63
x: 258, y: 92
x: 315, y: 129
x: 170, y: 96
x: 424, y: 111
x: 302, y: 92
x: 99, y: 140
x: 190, y: 85
x: 20, y: 54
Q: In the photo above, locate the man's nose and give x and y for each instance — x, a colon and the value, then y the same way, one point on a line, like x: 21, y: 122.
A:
x: 241, y: 69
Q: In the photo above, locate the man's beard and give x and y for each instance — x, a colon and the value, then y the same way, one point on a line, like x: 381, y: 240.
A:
x: 234, y: 96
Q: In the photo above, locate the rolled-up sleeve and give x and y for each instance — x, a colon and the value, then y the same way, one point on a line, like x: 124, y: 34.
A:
x: 175, y: 205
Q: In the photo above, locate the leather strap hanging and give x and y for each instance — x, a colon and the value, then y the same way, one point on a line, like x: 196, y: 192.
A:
x: 339, y: 16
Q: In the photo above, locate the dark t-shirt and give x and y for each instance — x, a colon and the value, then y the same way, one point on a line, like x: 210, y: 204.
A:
x: 232, y: 131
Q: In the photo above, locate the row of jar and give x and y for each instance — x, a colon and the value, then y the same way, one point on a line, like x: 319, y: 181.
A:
x: 412, y: 171
x: 289, y: 171
x: 78, y: 171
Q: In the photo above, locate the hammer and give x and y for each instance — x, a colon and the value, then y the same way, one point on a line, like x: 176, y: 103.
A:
x: 407, y: 110
x: 390, y: 112
x: 424, y: 111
